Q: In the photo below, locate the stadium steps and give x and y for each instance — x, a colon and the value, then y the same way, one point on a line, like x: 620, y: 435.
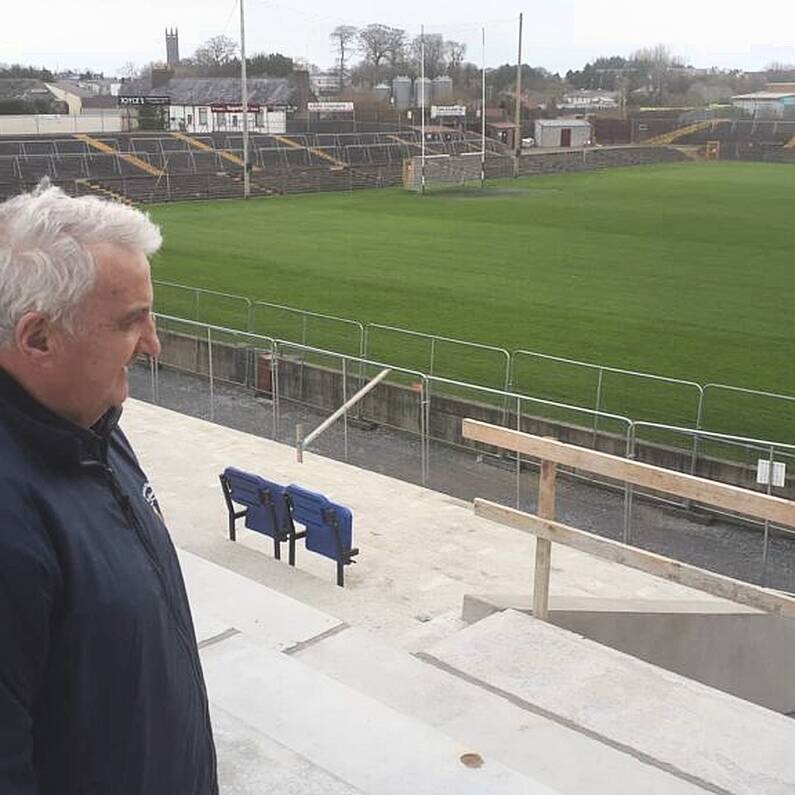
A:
x: 109, y: 150
x: 104, y: 192
x: 201, y: 146
x: 403, y: 142
x: 377, y: 718
x: 674, y: 135
x: 290, y: 144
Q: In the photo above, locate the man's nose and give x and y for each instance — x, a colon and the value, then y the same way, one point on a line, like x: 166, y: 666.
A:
x: 149, y: 342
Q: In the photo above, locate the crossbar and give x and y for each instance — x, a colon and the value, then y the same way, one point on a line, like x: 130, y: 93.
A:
x: 719, y: 585
x: 710, y: 492
x: 302, y: 444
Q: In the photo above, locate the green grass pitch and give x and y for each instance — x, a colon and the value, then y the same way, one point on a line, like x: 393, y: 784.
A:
x: 681, y: 270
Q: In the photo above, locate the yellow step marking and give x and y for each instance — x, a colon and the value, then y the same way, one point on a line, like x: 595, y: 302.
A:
x: 109, y: 150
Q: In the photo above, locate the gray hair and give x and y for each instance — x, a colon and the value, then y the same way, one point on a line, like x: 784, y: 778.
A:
x: 46, y: 263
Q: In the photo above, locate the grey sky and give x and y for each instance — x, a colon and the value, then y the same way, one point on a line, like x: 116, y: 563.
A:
x: 558, y: 35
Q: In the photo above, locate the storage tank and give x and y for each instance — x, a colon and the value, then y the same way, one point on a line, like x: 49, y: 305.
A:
x: 382, y: 92
x: 401, y: 91
x: 442, y: 89
x: 419, y: 100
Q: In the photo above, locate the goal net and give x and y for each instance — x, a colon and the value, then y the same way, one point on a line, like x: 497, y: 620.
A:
x: 442, y: 171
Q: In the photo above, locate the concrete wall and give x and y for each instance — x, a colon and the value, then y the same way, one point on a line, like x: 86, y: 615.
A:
x: 398, y: 405
x: 41, y: 124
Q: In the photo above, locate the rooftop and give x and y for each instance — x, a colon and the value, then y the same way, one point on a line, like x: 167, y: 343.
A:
x: 209, y: 90
x: 410, y: 693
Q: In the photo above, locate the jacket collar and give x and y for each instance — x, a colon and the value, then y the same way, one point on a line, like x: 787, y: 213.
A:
x: 52, y: 436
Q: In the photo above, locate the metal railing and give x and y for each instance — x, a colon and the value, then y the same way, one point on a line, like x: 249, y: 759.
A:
x: 692, y: 407
x: 269, y: 367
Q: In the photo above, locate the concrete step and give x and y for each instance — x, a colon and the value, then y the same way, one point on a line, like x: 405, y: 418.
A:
x: 698, y: 734
x: 352, y: 737
x: 554, y: 755
x: 223, y: 601
x: 251, y: 763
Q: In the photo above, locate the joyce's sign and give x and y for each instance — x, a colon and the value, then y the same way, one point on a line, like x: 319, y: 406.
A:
x: 144, y: 100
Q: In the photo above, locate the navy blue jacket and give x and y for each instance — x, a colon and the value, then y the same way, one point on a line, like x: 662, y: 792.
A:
x: 101, y: 692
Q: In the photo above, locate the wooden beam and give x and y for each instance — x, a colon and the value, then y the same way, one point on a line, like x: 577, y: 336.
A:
x: 657, y: 565
x: 543, y: 563
x: 710, y: 492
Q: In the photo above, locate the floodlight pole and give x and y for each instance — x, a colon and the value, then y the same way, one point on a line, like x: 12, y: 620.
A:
x: 422, y: 103
x: 244, y: 99
x: 483, y: 108
x: 517, y: 144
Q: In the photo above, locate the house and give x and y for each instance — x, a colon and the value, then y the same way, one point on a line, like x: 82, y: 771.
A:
x: 585, y: 101
x: 213, y: 104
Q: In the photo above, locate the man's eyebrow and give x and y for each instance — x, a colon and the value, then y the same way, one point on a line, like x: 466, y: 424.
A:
x: 133, y: 314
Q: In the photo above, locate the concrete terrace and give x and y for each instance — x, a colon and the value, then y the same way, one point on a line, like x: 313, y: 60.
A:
x: 387, y: 687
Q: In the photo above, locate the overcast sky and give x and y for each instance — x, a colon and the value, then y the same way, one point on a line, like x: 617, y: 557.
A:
x: 559, y: 35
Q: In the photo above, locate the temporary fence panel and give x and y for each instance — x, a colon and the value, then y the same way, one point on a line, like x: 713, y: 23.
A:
x: 751, y: 412
x: 316, y: 329
x: 202, y: 305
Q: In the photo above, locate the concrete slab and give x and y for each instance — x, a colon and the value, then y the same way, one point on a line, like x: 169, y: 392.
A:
x: 699, y: 734
x: 249, y: 763
x: 221, y: 600
x: 416, y: 564
x: 480, y: 719
x: 359, y: 741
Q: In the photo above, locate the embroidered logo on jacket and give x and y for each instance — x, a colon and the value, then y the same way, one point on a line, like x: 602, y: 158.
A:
x: 148, y: 493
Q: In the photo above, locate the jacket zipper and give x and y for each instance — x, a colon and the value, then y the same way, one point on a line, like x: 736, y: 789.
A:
x: 129, y: 513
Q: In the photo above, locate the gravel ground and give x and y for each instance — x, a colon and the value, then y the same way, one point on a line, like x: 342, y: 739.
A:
x: 728, y: 547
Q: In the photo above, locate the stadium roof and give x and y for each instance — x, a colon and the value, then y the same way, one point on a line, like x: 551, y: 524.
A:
x: 210, y: 90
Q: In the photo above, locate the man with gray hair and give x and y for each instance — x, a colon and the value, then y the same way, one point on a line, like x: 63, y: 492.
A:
x: 101, y: 689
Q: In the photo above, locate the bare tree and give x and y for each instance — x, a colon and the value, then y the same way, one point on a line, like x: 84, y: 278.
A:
x: 658, y: 62
x: 215, y: 52
x: 343, y: 39
x: 435, y: 54
x: 454, y: 52
x: 128, y: 71
x: 381, y: 44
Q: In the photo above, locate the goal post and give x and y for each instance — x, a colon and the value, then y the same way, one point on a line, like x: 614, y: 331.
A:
x: 443, y: 171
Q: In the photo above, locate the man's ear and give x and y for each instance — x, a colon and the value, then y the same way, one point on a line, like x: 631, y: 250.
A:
x: 36, y: 338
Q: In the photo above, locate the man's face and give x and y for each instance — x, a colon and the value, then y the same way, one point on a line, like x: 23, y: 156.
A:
x: 114, y: 325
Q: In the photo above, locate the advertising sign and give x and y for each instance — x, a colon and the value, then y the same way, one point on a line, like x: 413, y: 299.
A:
x: 330, y: 107
x: 144, y: 100
x: 440, y: 111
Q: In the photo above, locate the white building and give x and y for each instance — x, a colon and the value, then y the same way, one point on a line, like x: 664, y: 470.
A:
x: 585, y: 101
x: 766, y: 104
x: 213, y: 104
x: 562, y: 133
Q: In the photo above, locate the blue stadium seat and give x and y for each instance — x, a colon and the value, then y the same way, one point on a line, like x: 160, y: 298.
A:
x: 266, y: 508
x: 329, y: 527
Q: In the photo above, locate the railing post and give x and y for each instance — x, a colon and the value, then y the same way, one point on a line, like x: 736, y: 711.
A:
x: 543, y: 563
x: 210, y: 371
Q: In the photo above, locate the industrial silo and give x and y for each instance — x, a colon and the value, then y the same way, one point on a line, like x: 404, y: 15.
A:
x: 401, y: 91
x: 382, y: 92
x: 442, y: 89
x: 421, y: 98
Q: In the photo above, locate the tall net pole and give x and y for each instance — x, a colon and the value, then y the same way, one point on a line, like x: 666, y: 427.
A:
x: 483, y: 108
x: 422, y: 103
x: 517, y: 144
x: 244, y: 99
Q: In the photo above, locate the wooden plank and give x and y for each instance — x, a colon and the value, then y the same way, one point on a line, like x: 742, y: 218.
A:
x: 543, y: 562
x: 657, y: 565
x: 709, y: 492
